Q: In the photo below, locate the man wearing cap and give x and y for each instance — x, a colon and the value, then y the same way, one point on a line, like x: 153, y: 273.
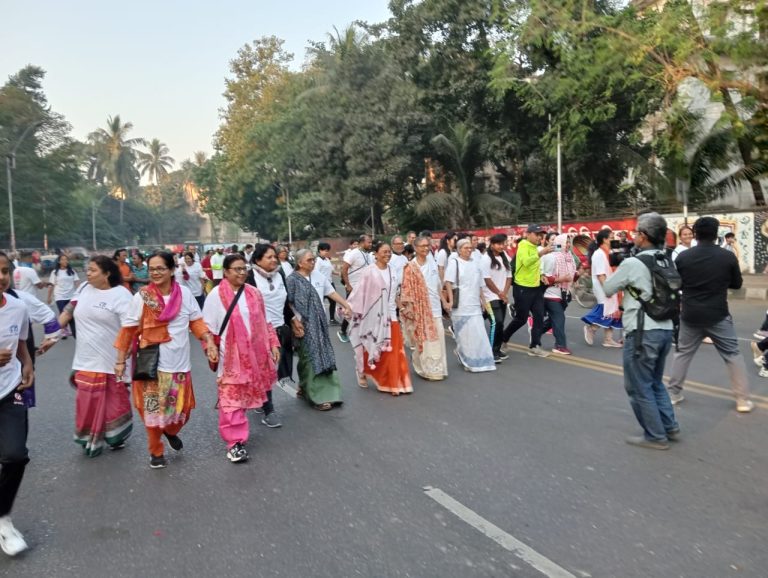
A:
x: 217, y: 265
x: 527, y: 291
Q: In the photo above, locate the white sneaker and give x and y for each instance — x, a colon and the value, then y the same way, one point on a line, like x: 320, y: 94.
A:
x: 537, y: 352
x: 763, y: 371
x: 759, y: 361
x: 11, y: 540
x: 745, y: 406
x: 676, y: 398
x: 589, y: 335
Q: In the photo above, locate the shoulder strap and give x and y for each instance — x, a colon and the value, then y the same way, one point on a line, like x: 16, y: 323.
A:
x: 231, y: 307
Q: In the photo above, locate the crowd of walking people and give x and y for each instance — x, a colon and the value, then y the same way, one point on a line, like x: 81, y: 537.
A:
x: 405, y: 306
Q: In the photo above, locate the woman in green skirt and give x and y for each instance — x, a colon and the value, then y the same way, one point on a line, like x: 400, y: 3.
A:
x: 318, y: 381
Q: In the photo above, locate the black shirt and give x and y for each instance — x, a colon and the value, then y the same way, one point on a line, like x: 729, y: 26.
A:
x: 708, y: 271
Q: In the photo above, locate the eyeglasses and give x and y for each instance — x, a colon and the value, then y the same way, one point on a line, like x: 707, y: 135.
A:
x: 239, y: 270
x: 310, y: 259
x: 158, y: 269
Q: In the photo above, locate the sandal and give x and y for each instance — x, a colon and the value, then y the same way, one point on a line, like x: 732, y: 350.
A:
x: 362, y: 381
x: 324, y: 406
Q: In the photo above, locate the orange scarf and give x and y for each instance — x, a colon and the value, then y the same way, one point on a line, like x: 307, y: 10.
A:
x: 415, y: 309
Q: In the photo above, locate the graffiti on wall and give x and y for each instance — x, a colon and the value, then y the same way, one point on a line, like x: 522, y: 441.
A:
x: 761, y: 243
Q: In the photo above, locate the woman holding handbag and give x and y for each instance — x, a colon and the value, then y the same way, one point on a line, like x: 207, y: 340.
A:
x: 161, y: 316
x: 248, y: 351
x: 472, y: 345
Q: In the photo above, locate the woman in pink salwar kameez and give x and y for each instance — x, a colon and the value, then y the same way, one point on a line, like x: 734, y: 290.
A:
x: 248, y: 352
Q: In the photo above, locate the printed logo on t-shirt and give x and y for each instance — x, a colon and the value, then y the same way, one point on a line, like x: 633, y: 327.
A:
x: 13, y: 330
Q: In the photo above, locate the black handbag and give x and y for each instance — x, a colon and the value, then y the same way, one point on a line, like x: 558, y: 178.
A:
x: 456, y: 287
x: 147, y: 359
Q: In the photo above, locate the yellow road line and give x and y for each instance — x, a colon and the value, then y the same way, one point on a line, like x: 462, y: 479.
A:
x: 618, y: 370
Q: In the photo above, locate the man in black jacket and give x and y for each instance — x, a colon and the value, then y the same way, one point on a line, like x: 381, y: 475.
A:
x: 708, y: 271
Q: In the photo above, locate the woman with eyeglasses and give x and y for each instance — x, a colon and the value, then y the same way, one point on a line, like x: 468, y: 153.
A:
x: 318, y: 381
x: 267, y: 276
x: 161, y: 315
x: 375, y: 333
x: 248, y: 352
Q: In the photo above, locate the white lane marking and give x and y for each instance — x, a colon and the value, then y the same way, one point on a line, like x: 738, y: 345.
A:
x: 505, y: 540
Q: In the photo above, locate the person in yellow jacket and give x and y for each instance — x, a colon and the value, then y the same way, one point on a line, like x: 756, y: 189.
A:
x: 527, y: 290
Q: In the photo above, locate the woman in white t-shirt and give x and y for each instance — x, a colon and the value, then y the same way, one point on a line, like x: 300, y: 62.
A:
x: 685, y: 236
x: 497, y: 277
x: 248, y: 350
x: 63, y: 284
x: 16, y: 375
x: 447, y: 246
x: 102, y: 404
x: 161, y: 315
x: 606, y: 313
x: 192, y: 277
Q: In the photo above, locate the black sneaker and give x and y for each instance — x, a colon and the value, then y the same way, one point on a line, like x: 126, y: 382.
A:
x: 271, y: 420
x: 503, y: 356
x: 174, y: 441
x: 157, y: 462
x: 237, y: 453
x: 497, y: 358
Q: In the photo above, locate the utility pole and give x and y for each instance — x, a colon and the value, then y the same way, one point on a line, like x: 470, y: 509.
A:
x: 10, y: 166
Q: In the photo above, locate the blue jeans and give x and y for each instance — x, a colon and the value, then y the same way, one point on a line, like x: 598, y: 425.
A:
x: 643, y: 381
x: 555, y: 321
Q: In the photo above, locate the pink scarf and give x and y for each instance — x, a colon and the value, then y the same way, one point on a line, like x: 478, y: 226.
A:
x: 165, y: 311
x: 370, y: 328
x: 248, y: 361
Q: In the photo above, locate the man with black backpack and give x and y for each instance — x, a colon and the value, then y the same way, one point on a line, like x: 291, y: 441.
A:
x: 646, y: 280
x: 707, y: 272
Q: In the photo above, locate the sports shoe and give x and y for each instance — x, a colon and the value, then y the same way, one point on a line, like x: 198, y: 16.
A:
x: 449, y: 331
x: 537, y: 352
x: 763, y: 371
x: 562, y: 350
x: 759, y: 362
x: 116, y: 447
x: 641, y: 442
x: 504, y: 348
x: 174, y: 442
x: 157, y: 462
x: 497, y: 359
x: 589, y: 334
x: 760, y: 334
x: 755, y: 349
x: 503, y: 356
x: 271, y: 420
x: 237, y: 453
x: 708, y: 341
x: 11, y: 540
x: 673, y: 434
x: 745, y: 406
x: 343, y: 337
x: 612, y: 343
x: 675, y: 398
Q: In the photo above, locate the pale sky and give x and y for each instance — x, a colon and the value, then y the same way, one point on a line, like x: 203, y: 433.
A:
x: 159, y: 64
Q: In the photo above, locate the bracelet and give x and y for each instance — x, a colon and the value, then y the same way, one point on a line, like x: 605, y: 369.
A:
x: 120, y: 363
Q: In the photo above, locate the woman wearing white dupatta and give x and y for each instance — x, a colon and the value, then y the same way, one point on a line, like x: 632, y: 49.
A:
x: 472, y: 345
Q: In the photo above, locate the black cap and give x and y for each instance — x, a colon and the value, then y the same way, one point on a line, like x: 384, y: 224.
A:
x: 534, y: 229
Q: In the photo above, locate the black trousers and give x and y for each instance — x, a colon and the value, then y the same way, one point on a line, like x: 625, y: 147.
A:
x: 331, y: 306
x: 14, y: 457
x: 500, y: 313
x: 345, y: 323
x: 528, y: 301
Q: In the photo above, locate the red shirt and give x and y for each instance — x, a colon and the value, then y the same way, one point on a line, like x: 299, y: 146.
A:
x: 205, y: 263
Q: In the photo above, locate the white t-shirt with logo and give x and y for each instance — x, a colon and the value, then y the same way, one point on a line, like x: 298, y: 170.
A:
x: 25, y: 279
x: 274, y: 297
x: 63, y: 284
x: 398, y: 263
x: 324, y: 267
x: 174, y: 355
x: 498, y: 276
x: 321, y: 284
x: 14, y: 327
x: 357, y: 259
x: 99, y: 315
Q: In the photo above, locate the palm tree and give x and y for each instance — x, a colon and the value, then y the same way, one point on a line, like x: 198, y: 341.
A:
x: 156, y: 162
x: 115, y: 157
x: 462, y: 153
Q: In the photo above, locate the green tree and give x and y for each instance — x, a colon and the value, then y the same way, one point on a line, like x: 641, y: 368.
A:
x: 155, y: 162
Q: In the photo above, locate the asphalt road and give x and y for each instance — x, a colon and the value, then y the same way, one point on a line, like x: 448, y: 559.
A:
x: 535, y: 448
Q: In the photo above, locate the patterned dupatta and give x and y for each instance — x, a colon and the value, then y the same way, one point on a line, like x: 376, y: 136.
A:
x: 306, y: 302
x: 415, y: 308
x: 370, y: 327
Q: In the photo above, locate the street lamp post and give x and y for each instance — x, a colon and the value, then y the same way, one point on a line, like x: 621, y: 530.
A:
x: 10, y: 166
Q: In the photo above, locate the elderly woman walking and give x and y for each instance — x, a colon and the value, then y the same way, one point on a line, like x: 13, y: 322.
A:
x: 375, y: 335
x: 318, y: 381
x: 102, y: 404
x: 248, y: 352
x: 473, y: 347
x: 161, y: 315
x: 421, y: 313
